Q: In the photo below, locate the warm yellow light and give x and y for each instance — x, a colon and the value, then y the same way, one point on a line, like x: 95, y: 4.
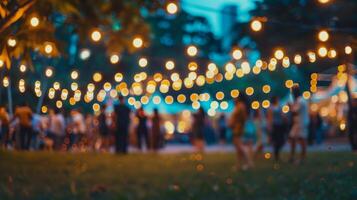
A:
x: 306, y: 94
x: 192, y: 66
x: 279, y: 54
x: 44, y: 109
x: 230, y: 68
x: 1, y: 63
x: 219, y: 95
x: 297, y: 59
x: 255, y: 105
x: 249, y: 91
x: 322, y: 51
x: 48, y: 48
x: 118, y: 77
x: 192, y: 50
x: 97, y: 77
x: 144, y: 100
x: 332, y: 53
x: 23, y: 68
x: 323, y: 36
x: 96, y: 107
x: 181, y: 98
x: 324, y: 1
x: 266, y: 104
x: 266, y: 89
x: 245, y: 67
x: 49, y: 72
x: 143, y: 62
x: 11, y: 42
x: 237, y: 54
x: 56, y: 85
x: 74, y: 75
x: 5, y: 81
x: 289, y: 83
x: 138, y: 42
x: 34, y: 21
x: 170, y: 65
x: 234, y: 93
x: 172, y: 8
x: 285, y: 109
x: 96, y: 35
x: 59, y: 104
x: 114, y: 59
x: 169, y: 99
x: 348, y: 50
x: 156, y: 100
x: 256, y: 25
x: 286, y: 62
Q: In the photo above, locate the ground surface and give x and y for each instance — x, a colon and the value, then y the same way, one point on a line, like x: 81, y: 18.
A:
x: 44, y: 175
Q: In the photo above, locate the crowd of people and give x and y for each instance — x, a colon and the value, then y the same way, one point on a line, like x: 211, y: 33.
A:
x: 251, y: 129
x: 73, y: 131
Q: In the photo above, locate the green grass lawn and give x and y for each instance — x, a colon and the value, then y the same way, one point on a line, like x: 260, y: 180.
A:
x: 43, y: 175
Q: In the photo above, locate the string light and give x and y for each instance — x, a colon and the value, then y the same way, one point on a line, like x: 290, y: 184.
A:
x: 237, y: 54
x: 322, y: 51
x: 49, y: 72
x: 279, y: 54
x: 11, y: 42
x: 172, y: 8
x: 114, y: 59
x: 97, y: 77
x: 96, y: 35
x: 170, y: 65
x: 143, y: 62
x: 192, y: 50
x: 48, y: 48
x: 348, y: 50
x: 297, y: 59
x: 74, y: 75
x: 323, y: 36
x: 84, y: 54
x: 324, y: 1
x: 138, y: 42
x: 256, y: 25
x: 34, y: 21
x: 23, y: 68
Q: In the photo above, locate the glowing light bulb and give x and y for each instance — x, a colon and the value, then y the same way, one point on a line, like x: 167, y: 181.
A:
x: 114, y: 59
x: 34, y: 21
x: 192, y: 50
x: 323, y: 36
x: 279, y: 54
x: 74, y: 75
x: 322, y: 51
x: 170, y: 65
x: 48, y: 48
x: 172, y: 8
x: 96, y: 35
x: 348, y: 50
x: 11, y: 42
x: 237, y: 54
x: 256, y: 25
x: 138, y: 42
x: 143, y: 62
x: 49, y: 72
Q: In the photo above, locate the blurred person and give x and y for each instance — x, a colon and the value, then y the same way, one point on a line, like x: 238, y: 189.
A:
x: 259, y: 123
x: 5, y: 127
x: 299, y: 130
x: 122, y: 122
x: 155, y: 130
x: 142, y: 129
x: 222, y: 128
x: 24, y: 114
x: 57, y: 127
x: 198, y: 127
x: 277, y: 127
x: 315, y: 126
x: 78, y: 128
x: 237, y: 125
x: 91, y: 134
x: 103, y: 128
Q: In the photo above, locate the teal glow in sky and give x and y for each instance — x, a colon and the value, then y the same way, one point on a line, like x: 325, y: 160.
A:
x: 211, y: 10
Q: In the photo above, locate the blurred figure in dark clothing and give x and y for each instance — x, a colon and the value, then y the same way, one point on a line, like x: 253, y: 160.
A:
x: 155, y: 130
x: 122, y: 119
x: 24, y: 114
x: 277, y: 127
x: 142, y: 129
x: 103, y: 128
x: 222, y: 128
x: 198, y: 126
x: 314, y: 127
